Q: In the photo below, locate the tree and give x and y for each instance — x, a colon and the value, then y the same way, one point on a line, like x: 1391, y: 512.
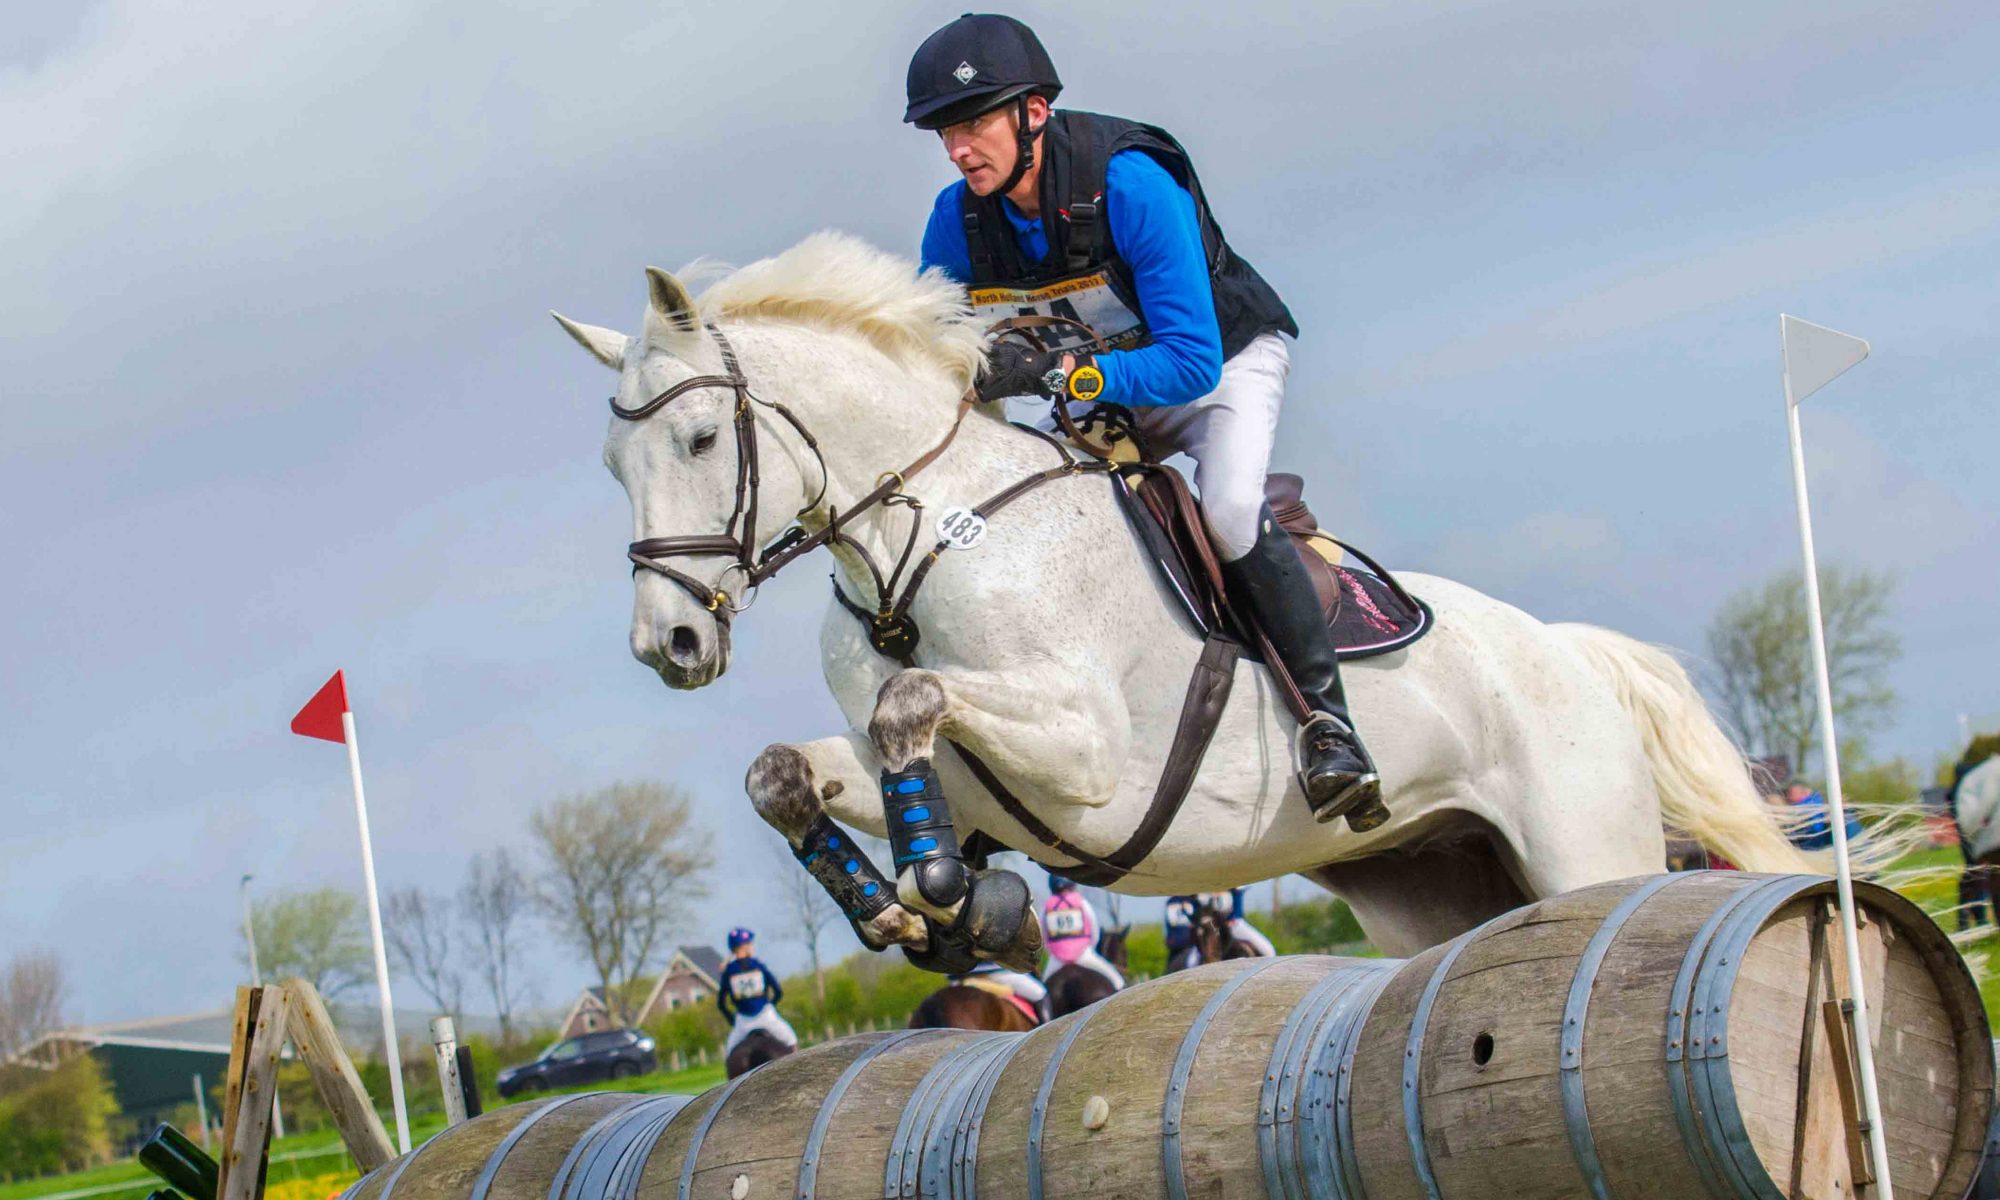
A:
x: 1759, y: 641
x: 31, y: 999
x: 619, y: 866
x: 417, y: 931
x: 809, y: 910
x: 494, y: 899
x: 59, y: 1122
x: 314, y: 935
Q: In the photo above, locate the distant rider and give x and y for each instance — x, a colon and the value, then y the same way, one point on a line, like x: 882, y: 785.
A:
x: 1069, y: 930
x: 1102, y: 220
x: 1242, y: 930
x: 1027, y: 987
x: 1177, y: 923
x: 752, y: 992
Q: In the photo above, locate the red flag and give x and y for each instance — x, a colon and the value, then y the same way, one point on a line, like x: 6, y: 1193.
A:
x: 320, y: 718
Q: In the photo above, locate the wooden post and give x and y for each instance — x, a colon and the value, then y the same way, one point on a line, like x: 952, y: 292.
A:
x: 246, y: 1151
x: 318, y: 1042
x: 444, y: 1040
x: 232, y: 1076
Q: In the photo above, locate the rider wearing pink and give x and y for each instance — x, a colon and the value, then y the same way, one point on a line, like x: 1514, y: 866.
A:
x: 1069, y: 930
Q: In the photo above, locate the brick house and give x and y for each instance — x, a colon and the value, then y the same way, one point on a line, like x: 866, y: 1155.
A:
x: 691, y: 976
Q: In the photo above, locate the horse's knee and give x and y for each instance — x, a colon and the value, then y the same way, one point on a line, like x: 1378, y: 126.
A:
x: 909, y: 710
x: 780, y: 783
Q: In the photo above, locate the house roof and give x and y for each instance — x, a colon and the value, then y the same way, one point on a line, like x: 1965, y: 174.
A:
x: 706, y: 960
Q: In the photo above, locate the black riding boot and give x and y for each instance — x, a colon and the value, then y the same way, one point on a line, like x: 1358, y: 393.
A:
x: 1336, y: 773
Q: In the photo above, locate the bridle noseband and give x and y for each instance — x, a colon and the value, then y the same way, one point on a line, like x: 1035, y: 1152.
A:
x: 795, y: 541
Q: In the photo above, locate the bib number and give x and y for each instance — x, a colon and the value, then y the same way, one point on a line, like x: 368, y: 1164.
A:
x: 746, y: 986
x: 1089, y: 299
x: 960, y: 528
x: 1065, y: 923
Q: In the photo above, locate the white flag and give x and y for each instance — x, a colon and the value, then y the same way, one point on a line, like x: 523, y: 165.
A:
x: 1815, y: 356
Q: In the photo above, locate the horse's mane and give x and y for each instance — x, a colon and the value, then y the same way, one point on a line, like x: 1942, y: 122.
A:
x: 835, y: 280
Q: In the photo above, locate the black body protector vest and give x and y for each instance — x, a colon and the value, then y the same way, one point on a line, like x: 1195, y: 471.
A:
x: 1082, y: 277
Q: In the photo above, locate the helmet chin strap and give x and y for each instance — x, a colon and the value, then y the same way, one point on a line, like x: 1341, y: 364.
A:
x: 1024, y: 146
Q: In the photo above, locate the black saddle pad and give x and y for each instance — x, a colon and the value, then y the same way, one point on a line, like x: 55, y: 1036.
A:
x: 1375, y: 616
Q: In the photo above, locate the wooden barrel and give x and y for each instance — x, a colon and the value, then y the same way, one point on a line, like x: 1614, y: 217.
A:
x: 1654, y: 1038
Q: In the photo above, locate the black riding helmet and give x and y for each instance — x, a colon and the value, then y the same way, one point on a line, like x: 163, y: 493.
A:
x: 974, y: 65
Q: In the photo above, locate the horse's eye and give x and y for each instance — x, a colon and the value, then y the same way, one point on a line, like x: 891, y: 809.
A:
x: 703, y: 442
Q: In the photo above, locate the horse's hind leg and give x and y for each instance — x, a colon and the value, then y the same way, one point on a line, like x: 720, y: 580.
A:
x: 989, y: 913
x: 787, y: 791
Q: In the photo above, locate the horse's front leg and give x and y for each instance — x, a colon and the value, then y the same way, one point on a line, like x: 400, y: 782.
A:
x: 791, y: 787
x: 989, y: 913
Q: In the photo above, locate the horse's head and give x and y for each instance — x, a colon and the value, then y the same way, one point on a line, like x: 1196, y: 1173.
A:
x: 680, y: 461
x: 1111, y: 944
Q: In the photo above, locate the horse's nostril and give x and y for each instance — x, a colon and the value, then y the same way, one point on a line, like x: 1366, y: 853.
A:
x: 683, y: 643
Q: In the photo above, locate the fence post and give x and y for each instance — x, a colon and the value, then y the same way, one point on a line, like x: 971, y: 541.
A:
x: 444, y: 1041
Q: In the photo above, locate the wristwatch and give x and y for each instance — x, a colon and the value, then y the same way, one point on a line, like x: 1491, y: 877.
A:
x: 1086, y: 383
x: 1055, y: 382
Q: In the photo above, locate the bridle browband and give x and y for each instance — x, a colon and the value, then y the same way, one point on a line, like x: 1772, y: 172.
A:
x: 795, y: 542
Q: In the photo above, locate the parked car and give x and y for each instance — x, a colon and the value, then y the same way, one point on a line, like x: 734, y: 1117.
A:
x: 589, y: 1058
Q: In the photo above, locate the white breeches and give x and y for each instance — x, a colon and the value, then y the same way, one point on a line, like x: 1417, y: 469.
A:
x: 1089, y: 960
x: 1243, y: 931
x: 1027, y: 987
x: 1228, y: 434
x: 769, y: 1021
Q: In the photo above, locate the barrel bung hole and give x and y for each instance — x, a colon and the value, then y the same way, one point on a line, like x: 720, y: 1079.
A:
x: 1482, y: 1049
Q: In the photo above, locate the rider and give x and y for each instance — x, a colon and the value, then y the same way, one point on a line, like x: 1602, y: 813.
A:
x: 1177, y: 922
x: 1243, y: 931
x: 1102, y: 219
x: 1020, y: 983
x: 1069, y: 930
x: 748, y: 987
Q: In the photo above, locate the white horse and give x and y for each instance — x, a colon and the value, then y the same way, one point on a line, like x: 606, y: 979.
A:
x: 1976, y: 803
x: 1519, y: 759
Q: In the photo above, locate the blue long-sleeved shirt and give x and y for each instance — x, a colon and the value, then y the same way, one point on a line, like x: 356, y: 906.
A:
x: 1158, y: 235
x: 747, y: 986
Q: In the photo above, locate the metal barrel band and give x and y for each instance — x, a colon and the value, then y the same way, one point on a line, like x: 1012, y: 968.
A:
x: 686, y: 1183
x: 1177, y: 1081
x: 899, y: 1177
x: 935, y: 1169
x: 1722, y: 1115
x: 1680, y: 1001
x: 910, y: 1154
x: 1038, y: 1112
x: 559, y: 1182
x: 1413, y: 1055
x: 1576, y: 1012
x: 1289, y: 1079
x: 632, y: 1164
x: 389, y: 1185
x: 481, y: 1185
x: 597, y: 1172
x: 1334, y: 1166
x: 809, y: 1157
x: 966, y: 1158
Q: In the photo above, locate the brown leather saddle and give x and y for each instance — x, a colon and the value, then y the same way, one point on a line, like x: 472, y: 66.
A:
x: 1367, y: 610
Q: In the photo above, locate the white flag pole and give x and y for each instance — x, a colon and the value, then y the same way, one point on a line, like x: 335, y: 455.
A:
x: 375, y: 932
x: 1871, y: 1100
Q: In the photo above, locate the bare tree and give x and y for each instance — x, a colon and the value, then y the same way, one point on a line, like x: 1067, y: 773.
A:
x: 619, y: 866
x: 1763, y: 658
x: 495, y: 898
x: 809, y: 911
x: 314, y: 935
x: 31, y: 999
x: 417, y: 930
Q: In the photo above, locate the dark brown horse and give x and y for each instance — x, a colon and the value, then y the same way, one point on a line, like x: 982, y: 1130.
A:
x: 962, y: 1006
x: 754, y: 1051
x: 1072, y: 987
x: 1213, y: 942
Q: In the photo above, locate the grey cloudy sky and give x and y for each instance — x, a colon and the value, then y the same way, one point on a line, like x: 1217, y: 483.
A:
x: 281, y: 396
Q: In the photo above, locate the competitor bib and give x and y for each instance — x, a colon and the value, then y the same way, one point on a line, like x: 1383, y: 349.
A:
x: 1063, y: 923
x: 747, y: 986
x: 1087, y: 298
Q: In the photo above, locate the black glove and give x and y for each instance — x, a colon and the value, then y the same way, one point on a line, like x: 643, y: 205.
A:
x: 1014, y: 369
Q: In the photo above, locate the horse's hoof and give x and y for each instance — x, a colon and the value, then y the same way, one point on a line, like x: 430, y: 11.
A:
x: 949, y: 951
x: 1368, y: 816
x: 1000, y: 916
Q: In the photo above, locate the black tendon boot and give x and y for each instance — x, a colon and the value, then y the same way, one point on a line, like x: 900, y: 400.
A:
x: 1336, y: 773
x: 996, y: 906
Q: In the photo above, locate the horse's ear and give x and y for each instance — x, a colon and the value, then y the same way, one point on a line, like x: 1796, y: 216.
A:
x: 605, y: 345
x: 670, y: 315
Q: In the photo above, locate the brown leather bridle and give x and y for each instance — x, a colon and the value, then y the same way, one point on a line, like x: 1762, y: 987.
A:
x: 795, y: 541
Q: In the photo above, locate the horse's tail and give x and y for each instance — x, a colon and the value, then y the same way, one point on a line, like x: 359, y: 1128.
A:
x: 1702, y: 778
